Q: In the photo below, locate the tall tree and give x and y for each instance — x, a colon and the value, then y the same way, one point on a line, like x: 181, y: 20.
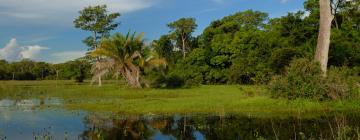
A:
x: 99, y: 21
x: 182, y: 30
x: 323, y: 43
x: 164, y: 48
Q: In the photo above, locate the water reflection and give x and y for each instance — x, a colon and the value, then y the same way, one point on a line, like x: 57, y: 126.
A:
x: 28, y: 119
x: 221, y: 128
x: 55, y: 124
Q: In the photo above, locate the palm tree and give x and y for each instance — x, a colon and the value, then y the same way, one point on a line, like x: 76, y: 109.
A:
x: 123, y: 56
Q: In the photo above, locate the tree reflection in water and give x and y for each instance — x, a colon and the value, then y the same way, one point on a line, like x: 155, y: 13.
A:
x: 219, y: 128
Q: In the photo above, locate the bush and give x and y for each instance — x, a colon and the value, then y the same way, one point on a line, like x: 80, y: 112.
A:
x: 340, y: 83
x: 245, y: 71
x: 167, y: 81
x: 304, y: 79
x: 181, y: 76
x: 281, y: 58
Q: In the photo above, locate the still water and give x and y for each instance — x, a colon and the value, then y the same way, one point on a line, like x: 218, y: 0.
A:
x: 33, y: 119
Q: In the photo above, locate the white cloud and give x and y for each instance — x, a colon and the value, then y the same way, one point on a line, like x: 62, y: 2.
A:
x: 21, y: 15
x: 31, y: 52
x: 60, y: 57
x: 11, y: 51
x: 14, y: 52
x: 59, y: 10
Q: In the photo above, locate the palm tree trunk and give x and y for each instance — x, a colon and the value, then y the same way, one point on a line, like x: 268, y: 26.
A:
x: 323, y: 44
x: 100, y: 83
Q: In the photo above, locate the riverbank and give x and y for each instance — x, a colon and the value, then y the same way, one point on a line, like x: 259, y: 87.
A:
x: 219, y: 99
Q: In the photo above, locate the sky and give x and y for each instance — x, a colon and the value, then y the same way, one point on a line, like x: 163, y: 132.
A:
x: 43, y: 30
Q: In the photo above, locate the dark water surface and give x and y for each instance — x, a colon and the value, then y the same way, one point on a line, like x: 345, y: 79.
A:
x: 32, y: 119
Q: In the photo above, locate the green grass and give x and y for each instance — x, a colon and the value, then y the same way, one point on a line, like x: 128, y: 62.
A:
x: 219, y: 100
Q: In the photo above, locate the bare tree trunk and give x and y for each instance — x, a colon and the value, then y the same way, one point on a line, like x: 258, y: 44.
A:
x: 95, y: 43
x: 323, y: 44
x: 98, y: 59
x: 183, y: 47
x: 57, y: 75
x: 42, y: 74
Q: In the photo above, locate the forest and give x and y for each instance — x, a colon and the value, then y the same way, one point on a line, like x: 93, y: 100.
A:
x: 245, y: 47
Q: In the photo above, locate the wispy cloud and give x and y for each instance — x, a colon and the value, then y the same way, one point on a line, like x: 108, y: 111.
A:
x: 38, y: 39
x: 207, y: 10
x: 21, y: 15
x: 58, y: 10
x: 60, y: 57
x: 284, y: 1
x: 14, y: 52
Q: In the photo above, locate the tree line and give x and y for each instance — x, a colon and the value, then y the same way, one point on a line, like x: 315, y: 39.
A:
x: 246, y: 47
x: 26, y: 69
x: 250, y: 48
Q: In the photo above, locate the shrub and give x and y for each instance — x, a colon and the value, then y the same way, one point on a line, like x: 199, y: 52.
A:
x: 245, y: 71
x: 281, y: 58
x: 166, y: 81
x: 304, y: 79
x: 340, y: 83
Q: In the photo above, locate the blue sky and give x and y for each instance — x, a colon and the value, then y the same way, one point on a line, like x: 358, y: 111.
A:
x: 42, y: 30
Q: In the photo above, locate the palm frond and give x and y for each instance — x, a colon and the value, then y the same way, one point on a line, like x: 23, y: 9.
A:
x: 101, y: 68
x: 157, y: 62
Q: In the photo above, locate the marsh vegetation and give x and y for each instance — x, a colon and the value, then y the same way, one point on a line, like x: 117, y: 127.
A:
x: 64, y: 109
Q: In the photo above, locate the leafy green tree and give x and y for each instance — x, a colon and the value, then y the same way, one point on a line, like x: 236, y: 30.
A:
x: 4, y: 70
x: 77, y: 70
x: 181, y: 31
x: 97, y: 20
x: 165, y: 48
x: 231, y: 38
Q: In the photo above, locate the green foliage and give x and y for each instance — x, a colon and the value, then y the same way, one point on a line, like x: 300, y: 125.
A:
x: 248, y: 71
x: 77, y: 70
x: 282, y: 57
x: 168, y: 81
x: 97, y: 20
x: 125, y: 56
x: 122, y: 56
x: 345, y: 48
x: 246, y: 47
x: 304, y: 79
x: 165, y: 49
x: 249, y: 48
x: 26, y: 70
x: 183, y: 26
x: 30, y: 70
x: 181, y: 31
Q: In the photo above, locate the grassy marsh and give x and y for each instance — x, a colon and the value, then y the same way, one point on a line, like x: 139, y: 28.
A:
x: 219, y: 99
